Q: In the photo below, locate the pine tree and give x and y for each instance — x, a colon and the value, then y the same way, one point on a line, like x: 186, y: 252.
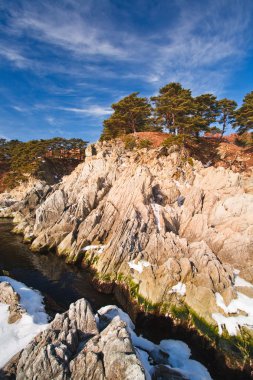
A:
x: 131, y: 115
x: 173, y: 106
x: 204, y: 112
x: 226, y: 109
x: 244, y: 115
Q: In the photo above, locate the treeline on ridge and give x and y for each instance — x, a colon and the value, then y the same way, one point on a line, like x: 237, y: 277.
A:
x: 26, y: 158
x: 176, y: 111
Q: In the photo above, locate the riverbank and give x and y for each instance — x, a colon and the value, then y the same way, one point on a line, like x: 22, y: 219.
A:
x: 63, y: 284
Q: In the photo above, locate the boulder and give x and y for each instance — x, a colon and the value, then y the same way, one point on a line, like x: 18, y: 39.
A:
x: 73, y: 348
x: 10, y: 297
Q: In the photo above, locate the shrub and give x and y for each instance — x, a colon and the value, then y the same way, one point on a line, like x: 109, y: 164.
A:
x: 145, y: 143
x: 130, y: 142
x: 245, y: 140
x: 174, y: 140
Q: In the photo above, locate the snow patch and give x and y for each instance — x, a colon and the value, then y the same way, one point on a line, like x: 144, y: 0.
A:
x: 15, y: 336
x: 139, y: 266
x: 242, y: 303
x: 239, y: 281
x: 179, y: 352
x: 179, y: 288
x: 100, y: 248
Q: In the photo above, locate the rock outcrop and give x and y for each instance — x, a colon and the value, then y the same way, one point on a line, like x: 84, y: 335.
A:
x: 79, y: 345
x: 11, y: 298
x: 164, y: 221
x: 73, y: 348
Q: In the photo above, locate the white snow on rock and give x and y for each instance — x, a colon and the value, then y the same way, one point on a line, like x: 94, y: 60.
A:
x: 241, y: 282
x: 179, y: 288
x: 240, y: 304
x: 100, y: 248
x: 15, y: 336
x: 179, y: 357
x: 139, y: 266
x: 179, y: 352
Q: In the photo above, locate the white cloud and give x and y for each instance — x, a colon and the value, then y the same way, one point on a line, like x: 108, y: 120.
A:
x: 19, y: 109
x: 201, y: 48
x: 51, y: 120
x: 67, y: 29
x: 14, y: 56
x: 92, y: 110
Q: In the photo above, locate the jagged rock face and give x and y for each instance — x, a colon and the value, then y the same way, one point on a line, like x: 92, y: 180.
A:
x: 11, y: 298
x: 73, y: 348
x: 187, y: 223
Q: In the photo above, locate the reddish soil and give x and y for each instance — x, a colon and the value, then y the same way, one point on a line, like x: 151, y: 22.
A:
x: 4, y: 168
x: 209, y: 148
x: 156, y: 138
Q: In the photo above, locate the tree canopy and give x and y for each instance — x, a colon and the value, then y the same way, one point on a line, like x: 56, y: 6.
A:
x: 176, y: 111
x: 173, y: 106
x: 226, y: 113
x: 131, y: 114
x: 203, y: 113
x: 244, y: 115
x: 26, y: 157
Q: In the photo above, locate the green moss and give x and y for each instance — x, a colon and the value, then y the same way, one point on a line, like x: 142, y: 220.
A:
x: 90, y: 259
x: 190, y: 161
x: 120, y: 277
x: 95, y: 260
x: 203, y: 326
x: 179, y: 312
x: 27, y: 239
x: 164, y: 308
x: 241, y: 344
x: 107, y: 277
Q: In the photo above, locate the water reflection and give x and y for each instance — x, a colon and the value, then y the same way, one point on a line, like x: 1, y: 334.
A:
x: 61, y: 283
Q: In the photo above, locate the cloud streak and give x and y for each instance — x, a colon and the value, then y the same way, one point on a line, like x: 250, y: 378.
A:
x: 200, y: 39
x: 58, y: 53
x: 92, y: 110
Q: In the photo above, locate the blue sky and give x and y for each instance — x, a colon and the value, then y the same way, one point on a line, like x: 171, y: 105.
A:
x: 64, y: 62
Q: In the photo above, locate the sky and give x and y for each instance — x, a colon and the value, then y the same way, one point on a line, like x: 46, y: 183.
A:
x: 64, y: 62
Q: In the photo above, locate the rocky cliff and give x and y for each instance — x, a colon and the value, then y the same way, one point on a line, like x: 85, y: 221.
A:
x: 173, y: 230
x: 80, y: 345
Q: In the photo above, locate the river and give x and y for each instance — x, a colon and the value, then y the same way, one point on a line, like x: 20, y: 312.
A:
x: 62, y: 284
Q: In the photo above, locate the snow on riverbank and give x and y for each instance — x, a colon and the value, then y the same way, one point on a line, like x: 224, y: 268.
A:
x: 100, y: 248
x: 179, y: 288
x: 139, y: 266
x: 15, y: 336
x: 242, y: 304
x: 178, y: 352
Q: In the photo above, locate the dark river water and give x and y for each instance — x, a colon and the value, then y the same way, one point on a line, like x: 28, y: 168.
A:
x: 62, y: 284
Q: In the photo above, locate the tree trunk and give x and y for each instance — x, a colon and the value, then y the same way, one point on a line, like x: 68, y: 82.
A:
x: 223, y: 127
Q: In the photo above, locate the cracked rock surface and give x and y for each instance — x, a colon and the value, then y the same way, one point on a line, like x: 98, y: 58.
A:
x: 73, y: 348
x: 187, y: 223
x: 10, y: 297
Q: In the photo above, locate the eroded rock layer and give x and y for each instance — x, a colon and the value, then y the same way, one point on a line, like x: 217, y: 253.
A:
x: 177, y: 229
x: 72, y: 347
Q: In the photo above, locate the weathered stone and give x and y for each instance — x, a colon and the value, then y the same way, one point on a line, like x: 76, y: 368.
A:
x: 126, y: 204
x: 10, y: 297
x: 72, y: 348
